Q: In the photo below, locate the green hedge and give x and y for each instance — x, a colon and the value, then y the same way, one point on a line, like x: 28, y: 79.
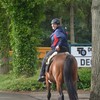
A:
x: 85, y: 78
x: 25, y: 17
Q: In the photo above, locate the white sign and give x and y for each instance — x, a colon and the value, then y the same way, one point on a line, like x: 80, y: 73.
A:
x: 82, y: 54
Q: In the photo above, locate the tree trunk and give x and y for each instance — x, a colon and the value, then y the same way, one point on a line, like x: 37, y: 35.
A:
x: 4, y: 62
x: 60, y: 21
x: 95, y: 83
x: 72, y: 37
x: 4, y: 44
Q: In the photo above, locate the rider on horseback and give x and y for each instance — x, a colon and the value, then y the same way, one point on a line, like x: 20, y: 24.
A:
x: 58, y: 43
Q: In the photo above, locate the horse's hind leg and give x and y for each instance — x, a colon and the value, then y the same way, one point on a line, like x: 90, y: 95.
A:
x: 61, y: 96
x: 49, y: 90
x: 49, y: 95
x: 59, y: 89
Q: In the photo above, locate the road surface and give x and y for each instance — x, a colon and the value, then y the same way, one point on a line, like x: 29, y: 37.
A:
x: 38, y: 95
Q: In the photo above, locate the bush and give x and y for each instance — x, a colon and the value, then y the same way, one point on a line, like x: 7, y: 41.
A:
x: 85, y: 78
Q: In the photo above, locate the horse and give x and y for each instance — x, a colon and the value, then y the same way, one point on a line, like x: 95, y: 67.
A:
x: 63, y: 70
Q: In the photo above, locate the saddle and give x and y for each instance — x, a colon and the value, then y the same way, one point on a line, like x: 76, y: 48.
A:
x: 50, y: 59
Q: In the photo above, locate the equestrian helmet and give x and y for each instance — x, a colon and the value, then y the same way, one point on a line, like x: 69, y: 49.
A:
x: 55, y: 21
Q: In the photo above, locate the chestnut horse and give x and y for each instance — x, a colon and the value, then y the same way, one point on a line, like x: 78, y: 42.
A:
x: 63, y: 69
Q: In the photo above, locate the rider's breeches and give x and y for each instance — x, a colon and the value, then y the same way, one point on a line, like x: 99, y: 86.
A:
x: 44, y: 62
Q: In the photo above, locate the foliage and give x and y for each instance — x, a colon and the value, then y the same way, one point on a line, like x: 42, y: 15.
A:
x: 26, y: 30
x: 82, y: 18
x: 85, y: 78
x: 45, y: 39
x: 4, y: 39
x: 83, y: 22
x: 25, y: 17
x: 9, y: 82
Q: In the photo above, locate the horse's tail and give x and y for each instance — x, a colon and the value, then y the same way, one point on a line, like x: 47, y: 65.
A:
x: 68, y: 78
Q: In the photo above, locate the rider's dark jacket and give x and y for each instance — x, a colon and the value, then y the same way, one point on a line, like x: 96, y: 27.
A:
x: 59, y: 38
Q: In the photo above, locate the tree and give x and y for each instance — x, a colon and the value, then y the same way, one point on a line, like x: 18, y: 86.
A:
x: 72, y: 35
x: 25, y: 16
x: 95, y: 84
x: 77, y: 8
x: 4, y: 41
x: 83, y: 24
x: 75, y: 15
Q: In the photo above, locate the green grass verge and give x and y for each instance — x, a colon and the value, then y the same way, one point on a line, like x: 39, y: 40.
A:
x: 9, y: 82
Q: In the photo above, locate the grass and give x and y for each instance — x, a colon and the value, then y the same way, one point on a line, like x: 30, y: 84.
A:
x: 9, y: 82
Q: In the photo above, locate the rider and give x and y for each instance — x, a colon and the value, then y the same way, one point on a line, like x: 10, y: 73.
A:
x: 58, y: 43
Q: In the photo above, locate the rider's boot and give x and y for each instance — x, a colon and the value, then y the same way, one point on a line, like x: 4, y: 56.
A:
x: 42, y: 73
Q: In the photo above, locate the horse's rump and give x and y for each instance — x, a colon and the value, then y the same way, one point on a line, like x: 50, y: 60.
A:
x: 56, y: 66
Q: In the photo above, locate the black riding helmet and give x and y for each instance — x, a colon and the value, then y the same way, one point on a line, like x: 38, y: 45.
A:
x: 55, y: 21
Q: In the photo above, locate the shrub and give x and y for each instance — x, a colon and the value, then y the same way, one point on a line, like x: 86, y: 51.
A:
x: 85, y: 78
